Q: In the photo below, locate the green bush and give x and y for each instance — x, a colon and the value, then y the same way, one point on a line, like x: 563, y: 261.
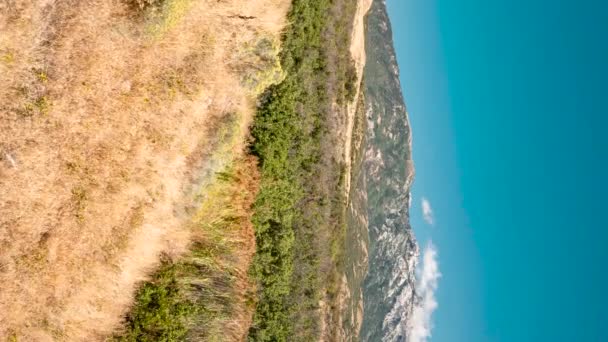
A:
x: 161, y: 310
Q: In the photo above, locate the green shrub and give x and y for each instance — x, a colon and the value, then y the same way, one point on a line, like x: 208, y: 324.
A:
x: 161, y: 310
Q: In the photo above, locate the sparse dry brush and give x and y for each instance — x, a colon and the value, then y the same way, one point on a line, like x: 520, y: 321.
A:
x: 107, y: 112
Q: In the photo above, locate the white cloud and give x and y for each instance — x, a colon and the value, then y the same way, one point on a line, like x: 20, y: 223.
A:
x: 420, y: 325
x: 427, y: 211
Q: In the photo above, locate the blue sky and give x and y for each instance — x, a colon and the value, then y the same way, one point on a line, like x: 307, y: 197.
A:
x: 508, y: 103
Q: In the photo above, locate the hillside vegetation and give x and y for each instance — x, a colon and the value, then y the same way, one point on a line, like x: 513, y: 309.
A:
x: 299, y: 215
x: 176, y: 169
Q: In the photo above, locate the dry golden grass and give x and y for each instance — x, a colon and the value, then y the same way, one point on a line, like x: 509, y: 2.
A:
x: 225, y: 219
x: 106, y: 113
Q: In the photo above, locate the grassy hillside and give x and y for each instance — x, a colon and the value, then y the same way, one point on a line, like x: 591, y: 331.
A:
x: 145, y: 202
x: 117, y: 120
x: 298, y: 214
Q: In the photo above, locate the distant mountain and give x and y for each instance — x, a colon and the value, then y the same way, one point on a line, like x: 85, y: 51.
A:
x: 387, y: 169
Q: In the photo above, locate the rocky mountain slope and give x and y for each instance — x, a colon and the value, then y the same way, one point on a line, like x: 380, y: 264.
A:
x: 385, y: 180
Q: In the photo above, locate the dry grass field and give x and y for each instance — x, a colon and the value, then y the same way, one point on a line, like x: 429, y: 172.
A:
x: 108, y: 114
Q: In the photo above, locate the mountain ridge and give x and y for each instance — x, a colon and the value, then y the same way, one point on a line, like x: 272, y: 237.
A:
x: 389, y: 293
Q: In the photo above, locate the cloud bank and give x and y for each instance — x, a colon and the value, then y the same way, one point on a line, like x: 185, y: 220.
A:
x: 421, y: 324
x: 427, y: 211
